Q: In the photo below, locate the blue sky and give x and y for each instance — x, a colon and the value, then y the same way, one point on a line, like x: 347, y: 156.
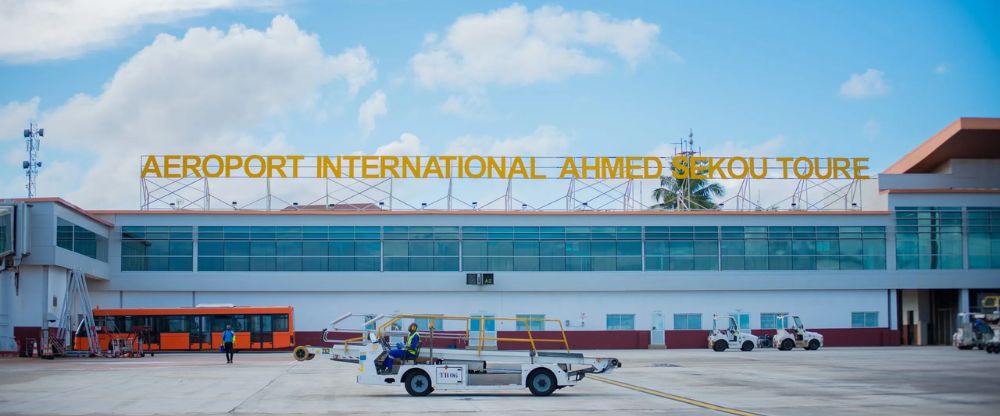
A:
x: 793, y: 78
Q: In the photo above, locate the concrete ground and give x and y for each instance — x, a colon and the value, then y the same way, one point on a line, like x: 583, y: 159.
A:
x: 856, y: 381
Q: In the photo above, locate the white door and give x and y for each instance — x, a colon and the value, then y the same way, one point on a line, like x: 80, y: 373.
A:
x: 489, y: 331
x: 656, y: 333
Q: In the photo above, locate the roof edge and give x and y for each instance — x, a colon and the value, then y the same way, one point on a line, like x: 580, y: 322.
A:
x: 67, y: 204
x: 919, y: 153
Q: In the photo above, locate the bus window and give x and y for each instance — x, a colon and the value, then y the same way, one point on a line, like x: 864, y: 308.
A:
x: 176, y: 324
x: 219, y: 322
x: 265, y: 323
x: 279, y: 323
x: 240, y: 323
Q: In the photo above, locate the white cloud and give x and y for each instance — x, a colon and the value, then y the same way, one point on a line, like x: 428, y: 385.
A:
x: 516, y: 46
x: 407, y: 145
x: 470, y: 104
x: 872, y: 128
x: 38, y: 30
x: 868, y: 84
x: 942, y: 68
x: 544, y: 141
x: 14, y: 117
x: 202, y: 93
x: 372, y: 108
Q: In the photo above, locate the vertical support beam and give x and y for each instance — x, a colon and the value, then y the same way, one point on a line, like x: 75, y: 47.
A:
x: 963, y: 301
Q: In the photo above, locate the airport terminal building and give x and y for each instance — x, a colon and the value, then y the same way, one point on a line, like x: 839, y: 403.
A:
x: 615, y: 279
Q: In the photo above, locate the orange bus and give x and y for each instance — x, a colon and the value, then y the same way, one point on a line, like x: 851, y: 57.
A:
x: 195, y: 329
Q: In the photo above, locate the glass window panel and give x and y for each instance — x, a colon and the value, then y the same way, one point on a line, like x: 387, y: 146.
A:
x: 551, y: 263
x: 526, y: 248
x: 500, y: 248
x: 578, y: 248
x: 602, y: 248
x: 210, y: 248
x: 603, y: 263
x: 706, y: 263
x: 421, y: 248
x: 314, y: 264
x: 395, y: 248
x: 236, y: 263
x: 237, y: 248
x: 289, y: 248
x: 446, y: 248
x: 659, y: 248
x: 732, y: 263
x: 181, y: 248
x: 473, y: 248
x: 851, y: 247
x: 367, y: 248
x: 500, y: 263
x: 578, y: 263
x: 473, y: 263
x: 527, y: 264
x: 262, y: 248
x: 705, y: 248
x: 446, y: 264
x: 315, y: 248
x: 421, y: 264
x: 345, y: 264
x: 262, y: 264
x: 210, y: 264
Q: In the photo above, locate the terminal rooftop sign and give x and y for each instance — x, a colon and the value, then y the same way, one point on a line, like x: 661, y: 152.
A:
x: 501, y: 167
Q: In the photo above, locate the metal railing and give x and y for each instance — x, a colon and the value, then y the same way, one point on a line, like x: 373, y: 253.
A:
x: 384, y: 329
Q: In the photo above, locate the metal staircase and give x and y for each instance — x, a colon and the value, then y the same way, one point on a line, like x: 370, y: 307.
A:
x: 76, y: 304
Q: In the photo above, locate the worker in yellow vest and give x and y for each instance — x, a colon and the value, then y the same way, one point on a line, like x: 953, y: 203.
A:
x: 407, y: 351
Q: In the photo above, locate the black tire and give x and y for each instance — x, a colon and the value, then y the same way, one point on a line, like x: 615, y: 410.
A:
x: 813, y: 345
x: 300, y: 353
x: 720, y: 345
x: 747, y: 346
x: 980, y: 346
x: 542, y: 382
x: 787, y: 344
x: 418, y: 384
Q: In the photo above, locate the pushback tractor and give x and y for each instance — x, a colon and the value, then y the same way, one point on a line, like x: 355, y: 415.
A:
x: 792, y: 334
x: 469, y: 361
x: 726, y: 334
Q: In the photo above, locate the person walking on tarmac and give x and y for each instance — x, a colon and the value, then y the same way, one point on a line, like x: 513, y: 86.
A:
x: 404, y: 352
x: 228, y: 338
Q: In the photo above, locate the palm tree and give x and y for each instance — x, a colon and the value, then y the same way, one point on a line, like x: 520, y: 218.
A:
x: 671, y: 193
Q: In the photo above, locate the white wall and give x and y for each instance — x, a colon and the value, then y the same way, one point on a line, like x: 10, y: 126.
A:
x: 313, y: 310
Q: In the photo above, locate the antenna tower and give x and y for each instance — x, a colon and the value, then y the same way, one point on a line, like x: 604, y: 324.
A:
x: 32, y: 141
x: 686, y: 149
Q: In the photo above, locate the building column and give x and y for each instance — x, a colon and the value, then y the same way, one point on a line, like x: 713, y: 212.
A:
x: 963, y: 301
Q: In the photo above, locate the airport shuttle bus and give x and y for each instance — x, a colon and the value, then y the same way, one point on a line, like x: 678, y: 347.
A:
x: 194, y: 329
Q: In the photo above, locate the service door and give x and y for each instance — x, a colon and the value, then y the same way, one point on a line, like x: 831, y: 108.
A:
x: 199, y: 333
x: 261, y: 332
x: 657, y: 335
